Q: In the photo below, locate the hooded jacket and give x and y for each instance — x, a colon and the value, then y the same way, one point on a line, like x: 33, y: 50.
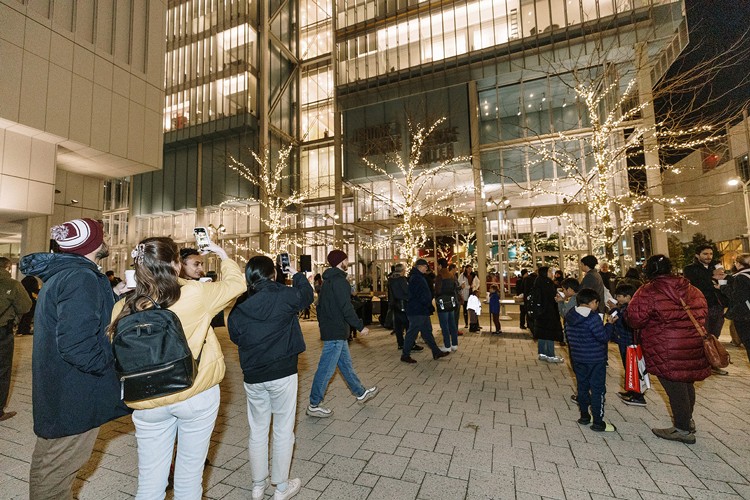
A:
x: 14, y: 300
x: 671, y: 345
x: 74, y: 385
x: 588, y: 336
x: 335, y: 311
x: 265, y: 327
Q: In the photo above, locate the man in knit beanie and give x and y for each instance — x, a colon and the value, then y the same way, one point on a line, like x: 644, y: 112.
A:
x: 335, y: 316
x: 74, y: 386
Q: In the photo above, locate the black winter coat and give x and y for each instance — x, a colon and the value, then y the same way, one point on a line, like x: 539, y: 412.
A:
x: 546, y: 314
x: 265, y: 327
x: 335, y: 311
x: 702, y: 279
x: 74, y: 385
x: 738, y: 291
x: 420, y: 295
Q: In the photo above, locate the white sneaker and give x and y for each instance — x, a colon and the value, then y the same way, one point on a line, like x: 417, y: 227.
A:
x: 292, y: 488
x: 555, y: 359
x: 445, y: 349
x: 260, y: 491
x: 318, y: 411
x: 543, y: 357
x: 367, y: 395
x: 454, y: 348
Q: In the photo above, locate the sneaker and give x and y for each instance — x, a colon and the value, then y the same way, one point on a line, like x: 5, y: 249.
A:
x: 318, y: 411
x: 440, y: 355
x: 574, y: 398
x: 634, y: 400
x: 624, y: 395
x: 454, y: 348
x: 292, y: 488
x: 585, y: 419
x: 543, y: 357
x: 367, y: 395
x: 260, y: 491
x: 408, y: 359
x: 675, y: 434
x: 445, y: 349
x: 603, y: 427
x: 555, y: 359
x: 719, y: 371
x: 7, y: 415
x: 417, y: 347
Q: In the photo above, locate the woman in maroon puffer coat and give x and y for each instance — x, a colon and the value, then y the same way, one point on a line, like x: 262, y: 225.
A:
x: 671, y: 345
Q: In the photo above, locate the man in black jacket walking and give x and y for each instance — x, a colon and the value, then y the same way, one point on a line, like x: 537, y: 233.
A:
x: 335, y: 316
x: 418, y: 311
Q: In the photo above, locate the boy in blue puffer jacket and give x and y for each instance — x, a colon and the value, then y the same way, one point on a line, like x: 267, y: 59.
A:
x: 588, y: 337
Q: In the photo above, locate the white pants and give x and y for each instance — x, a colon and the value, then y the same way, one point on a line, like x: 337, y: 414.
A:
x: 192, y: 421
x: 277, y: 398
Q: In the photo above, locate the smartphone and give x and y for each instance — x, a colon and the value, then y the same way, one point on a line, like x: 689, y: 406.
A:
x: 613, y: 314
x: 201, y: 238
x: 562, y: 294
x: 283, y: 261
x: 205, y: 279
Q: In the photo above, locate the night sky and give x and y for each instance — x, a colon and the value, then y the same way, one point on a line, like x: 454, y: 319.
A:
x: 714, y: 25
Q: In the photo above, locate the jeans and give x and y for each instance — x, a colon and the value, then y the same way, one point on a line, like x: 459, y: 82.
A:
x: 55, y: 464
x: 192, y: 422
x: 546, y: 347
x: 420, y: 324
x: 400, y: 324
x: 277, y: 398
x: 6, y: 362
x: 448, y: 326
x: 592, y: 380
x: 715, y: 320
x: 335, y: 353
x: 682, y: 401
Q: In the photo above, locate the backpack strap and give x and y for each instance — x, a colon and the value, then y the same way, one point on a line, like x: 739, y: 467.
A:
x: 132, y: 303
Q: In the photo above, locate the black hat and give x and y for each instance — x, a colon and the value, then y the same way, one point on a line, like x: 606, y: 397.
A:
x: 421, y: 262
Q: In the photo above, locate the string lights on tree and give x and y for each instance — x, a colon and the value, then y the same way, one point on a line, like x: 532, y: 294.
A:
x: 417, y: 201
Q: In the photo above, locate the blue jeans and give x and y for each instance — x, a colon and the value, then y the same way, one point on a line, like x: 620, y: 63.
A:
x: 546, y: 347
x: 335, y: 353
x: 592, y: 386
x: 419, y: 324
x: 448, y: 326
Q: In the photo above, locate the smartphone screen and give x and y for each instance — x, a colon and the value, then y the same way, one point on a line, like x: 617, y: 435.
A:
x: 613, y: 314
x: 283, y: 261
x: 201, y: 237
x: 562, y: 294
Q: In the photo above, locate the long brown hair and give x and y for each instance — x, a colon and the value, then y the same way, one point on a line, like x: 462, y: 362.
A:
x: 155, y: 277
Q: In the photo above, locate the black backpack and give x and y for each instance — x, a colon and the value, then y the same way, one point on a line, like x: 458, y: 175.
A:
x: 152, y: 356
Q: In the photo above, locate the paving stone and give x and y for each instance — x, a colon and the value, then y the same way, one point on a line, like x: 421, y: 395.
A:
x: 628, y: 477
x: 387, y: 465
x: 442, y: 488
x: 556, y: 454
x: 340, y: 490
x: 419, y: 441
x: 430, y: 462
x: 713, y: 470
x: 390, y: 489
x: 343, y: 469
x: 343, y: 446
x: 539, y: 483
x: 592, y: 481
x: 674, y: 474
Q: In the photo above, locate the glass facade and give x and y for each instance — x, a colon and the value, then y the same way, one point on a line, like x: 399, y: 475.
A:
x: 211, y: 61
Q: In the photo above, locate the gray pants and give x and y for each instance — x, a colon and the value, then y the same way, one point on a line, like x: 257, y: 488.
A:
x: 55, y: 463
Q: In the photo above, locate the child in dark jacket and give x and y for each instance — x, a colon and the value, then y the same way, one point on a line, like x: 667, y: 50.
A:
x: 622, y: 334
x: 588, y: 337
x: 495, y: 310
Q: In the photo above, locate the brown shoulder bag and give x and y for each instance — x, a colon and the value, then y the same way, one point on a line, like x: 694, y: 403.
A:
x: 716, y: 353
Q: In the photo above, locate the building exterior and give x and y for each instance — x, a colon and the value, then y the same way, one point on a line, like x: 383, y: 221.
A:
x: 83, y: 93
x: 715, y: 183
x: 339, y: 80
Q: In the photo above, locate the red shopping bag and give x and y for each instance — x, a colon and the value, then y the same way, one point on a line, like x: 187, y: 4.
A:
x: 632, y: 378
x: 636, y: 378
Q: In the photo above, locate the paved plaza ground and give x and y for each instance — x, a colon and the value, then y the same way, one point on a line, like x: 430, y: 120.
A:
x: 488, y: 422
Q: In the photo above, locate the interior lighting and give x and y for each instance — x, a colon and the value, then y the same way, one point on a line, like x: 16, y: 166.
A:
x: 733, y: 182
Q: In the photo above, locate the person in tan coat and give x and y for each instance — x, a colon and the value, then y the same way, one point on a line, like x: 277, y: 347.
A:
x: 188, y: 415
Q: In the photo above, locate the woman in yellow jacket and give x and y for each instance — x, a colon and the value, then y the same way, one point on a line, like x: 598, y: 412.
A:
x: 188, y: 414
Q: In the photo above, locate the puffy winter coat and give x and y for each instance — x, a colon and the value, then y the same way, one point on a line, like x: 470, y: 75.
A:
x: 266, y: 329
x: 672, y: 347
x: 420, y: 295
x: 335, y: 311
x: 738, y: 291
x: 588, y: 336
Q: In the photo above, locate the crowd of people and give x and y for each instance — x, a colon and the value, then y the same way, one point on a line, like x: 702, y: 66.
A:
x: 78, y: 309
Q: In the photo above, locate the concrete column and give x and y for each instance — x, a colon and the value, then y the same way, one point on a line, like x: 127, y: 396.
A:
x: 653, y: 177
x: 35, y: 235
x: 476, y: 168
